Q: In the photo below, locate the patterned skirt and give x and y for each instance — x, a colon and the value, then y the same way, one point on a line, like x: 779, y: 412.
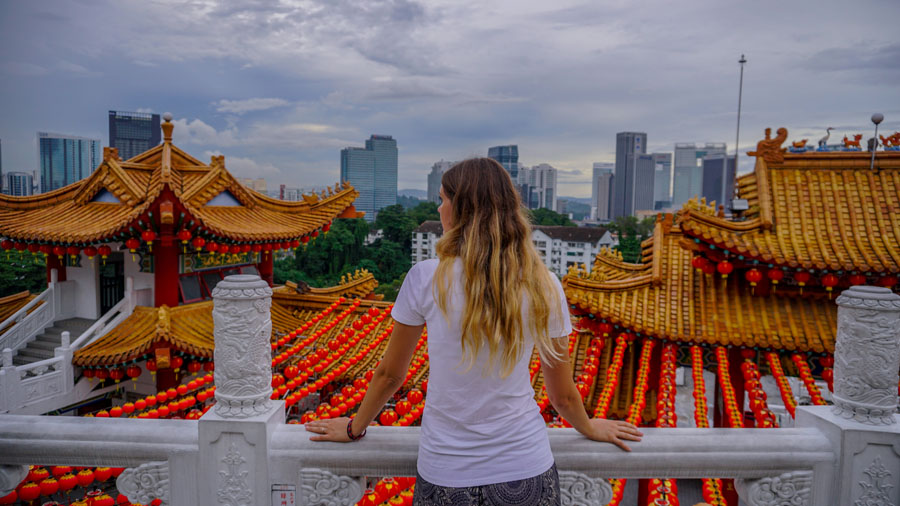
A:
x: 540, y: 490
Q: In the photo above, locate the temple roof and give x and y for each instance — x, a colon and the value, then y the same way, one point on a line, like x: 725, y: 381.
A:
x: 12, y: 303
x: 812, y: 210
x: 666, y: 298
x: 189, y: 328
x: 118, y: 193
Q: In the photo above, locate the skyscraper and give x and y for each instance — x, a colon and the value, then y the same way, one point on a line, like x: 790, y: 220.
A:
x: 373, y: 172
x: 688, y: 180
x: 65, y: 159
x: 508, y: 157
x: 601, y: 190
x: 628, y: 146
x: 133, y: 132
x: 642, y: 190
x: 18, y: 184
x: 718, y: 178
x: 541, y: 186
x: 662, y: 180
x: 434, y: 179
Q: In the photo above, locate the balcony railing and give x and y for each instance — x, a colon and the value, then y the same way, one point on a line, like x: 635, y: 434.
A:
x: 241, y: 451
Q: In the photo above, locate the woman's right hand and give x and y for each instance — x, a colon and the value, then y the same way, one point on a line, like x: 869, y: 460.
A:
x: 614, y: 431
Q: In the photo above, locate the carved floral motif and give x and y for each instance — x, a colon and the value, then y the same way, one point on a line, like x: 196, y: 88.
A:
x: 577, y: 489
x: 788, y: 489
x: 145, y: 483
x: 233, y: 487
x: 321, y: 487
x: 876, y: 491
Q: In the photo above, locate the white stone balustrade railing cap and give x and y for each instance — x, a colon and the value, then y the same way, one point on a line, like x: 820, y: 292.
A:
x: 864, y: 296
x: 241, y: 286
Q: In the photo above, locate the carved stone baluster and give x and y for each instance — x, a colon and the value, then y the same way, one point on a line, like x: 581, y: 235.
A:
x: 794, y: 488
x: 577, y: 489
x: 867, y: 355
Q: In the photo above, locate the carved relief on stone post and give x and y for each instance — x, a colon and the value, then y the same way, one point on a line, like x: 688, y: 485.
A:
x: 243, y: 328
x: 577, y: 489
x: 789, y: 488
x: 145, y: 483
x: 324, y: 488
x: 867, y: 355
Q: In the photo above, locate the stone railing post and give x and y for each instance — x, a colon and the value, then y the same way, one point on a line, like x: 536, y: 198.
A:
x: 10, y: 387
x: 234, y: 436
x: 862, y: 424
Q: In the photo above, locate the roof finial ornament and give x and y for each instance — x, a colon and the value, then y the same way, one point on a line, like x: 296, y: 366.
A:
x: 769, y: 149
x: 167, y: 127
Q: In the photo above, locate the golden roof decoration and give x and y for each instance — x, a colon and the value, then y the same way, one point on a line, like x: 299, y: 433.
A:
x: 669, y: 300
x: 812, y: 210
x: 69, y: 214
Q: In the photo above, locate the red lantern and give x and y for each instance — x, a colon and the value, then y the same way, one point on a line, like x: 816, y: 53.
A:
x: 104, y: 251
x: 151, y: 365
x: 181, y: 389
x: 101, y: 374
x: 149, y: 236
x: 801, y: 277
x: 829, y: 281
x: 59, y: 251
x: 415, y: 396
x: 21, y: 246
x: 295, y: 244
x: 209, y: 366
x: 85, y: 477
x: 403, y: 407
x: 184, y: 235
x: 754, y: 276
x: 91, y: 252
x: 698, y: 262
x: 73, y: 251
x: 887, y: 281
x: 194, y: 367
x: 116, y: 373
x: 176, y: 363
x: 388, y: 417
x: 29, y: 491
x: 198, y: 243
x: 291, y: 371
x: 725, y: 267
x: 133, y: 244
x: 857, y: 279
x: 133, y: 372
x: 212, y: 247
x: 6, y: 244
x: 304, y: 239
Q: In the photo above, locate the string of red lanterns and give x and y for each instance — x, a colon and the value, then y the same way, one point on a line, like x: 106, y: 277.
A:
x: 612, y: 375
x: 787, y: 395
x: 828, y: 372
x: 806, y: 377
x: 765, y: 418
x: 664, y: 491
x: 729, y: 400
x: 711, y: 488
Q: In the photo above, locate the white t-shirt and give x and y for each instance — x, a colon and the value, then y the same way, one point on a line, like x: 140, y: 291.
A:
x: 476, y: 429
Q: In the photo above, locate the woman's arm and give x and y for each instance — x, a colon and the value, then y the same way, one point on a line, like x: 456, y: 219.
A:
x: 388, y: 378
x: 565, y: 398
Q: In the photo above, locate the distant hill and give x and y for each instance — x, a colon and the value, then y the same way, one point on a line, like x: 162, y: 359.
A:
x: 579, y: 209
x: 419, y: 194
x: 580, y: 200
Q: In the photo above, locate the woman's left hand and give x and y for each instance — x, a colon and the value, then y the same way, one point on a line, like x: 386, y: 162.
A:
x: 331, y: 429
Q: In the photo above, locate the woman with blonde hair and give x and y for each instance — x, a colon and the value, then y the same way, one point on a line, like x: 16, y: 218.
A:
x: 488, y: 301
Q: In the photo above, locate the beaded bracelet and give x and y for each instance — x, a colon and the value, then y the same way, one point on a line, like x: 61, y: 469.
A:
x: 350, y: 432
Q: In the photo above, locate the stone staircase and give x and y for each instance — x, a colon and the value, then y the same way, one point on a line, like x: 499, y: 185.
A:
x: 42, y: 346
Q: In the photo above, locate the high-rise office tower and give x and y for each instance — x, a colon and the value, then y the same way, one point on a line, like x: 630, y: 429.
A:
x: 373, y: 172
x: 508, y: 157
x: 629, y: 145
x: 65, y: 159
x: 662, y: 180
x: 541, y: 186
x: 18, y: 184
x: 133, y: 132
x: 688, y: 180
x: 718, y: 178
x: 2, y: 179
x: 601, y: 190
x: 642, y: 190
x: 434, y: 180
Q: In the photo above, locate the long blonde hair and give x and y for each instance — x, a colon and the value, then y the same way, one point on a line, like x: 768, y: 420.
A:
x: 491, y: 234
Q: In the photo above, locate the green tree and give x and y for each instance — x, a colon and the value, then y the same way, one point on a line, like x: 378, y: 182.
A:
x: 20, y: 272
x: 424, y: 211
x: 396, y: 225
x: 546, y: 217
x: 631, y: 232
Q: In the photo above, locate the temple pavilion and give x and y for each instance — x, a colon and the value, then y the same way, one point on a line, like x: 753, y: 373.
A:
x: 737, y: 304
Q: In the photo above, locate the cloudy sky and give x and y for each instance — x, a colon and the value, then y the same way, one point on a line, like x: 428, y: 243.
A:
x: 281, y: 87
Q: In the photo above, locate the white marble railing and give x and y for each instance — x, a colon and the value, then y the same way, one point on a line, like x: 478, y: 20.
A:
x: 25, y: 326
x: 49, y: 384
x: 242, y: 451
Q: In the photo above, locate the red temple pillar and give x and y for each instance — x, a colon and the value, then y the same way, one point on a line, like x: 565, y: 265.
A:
x: 165, y: 277
x: 53, y: 262
x: 267, y: 267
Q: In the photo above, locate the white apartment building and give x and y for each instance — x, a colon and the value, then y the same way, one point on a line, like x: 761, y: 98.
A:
x: 559, y: 247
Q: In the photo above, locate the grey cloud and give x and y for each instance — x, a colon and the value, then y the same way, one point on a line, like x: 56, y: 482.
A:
x: 857, y: 57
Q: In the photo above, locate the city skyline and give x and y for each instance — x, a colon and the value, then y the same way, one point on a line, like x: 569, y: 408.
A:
x: 279, y: 89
